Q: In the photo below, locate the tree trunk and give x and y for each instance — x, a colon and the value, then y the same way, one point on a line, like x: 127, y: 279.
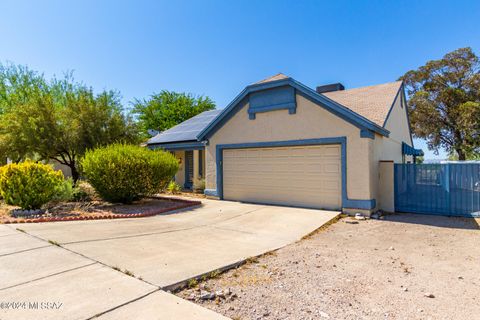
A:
x: 75, y: 173
x: 461, y: 155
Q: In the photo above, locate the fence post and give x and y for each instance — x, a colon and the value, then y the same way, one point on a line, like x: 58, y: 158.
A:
x: 447, y: 186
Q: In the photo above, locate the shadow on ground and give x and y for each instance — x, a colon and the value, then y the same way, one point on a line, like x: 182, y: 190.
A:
x: 435, y: 221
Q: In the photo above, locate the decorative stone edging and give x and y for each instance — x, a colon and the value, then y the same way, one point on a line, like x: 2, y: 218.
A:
x: 148, y: 213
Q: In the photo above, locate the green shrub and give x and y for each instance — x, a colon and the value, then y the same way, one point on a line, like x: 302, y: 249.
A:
x: 29, y: 185
x: 199, y: 185
x: 125, y: 173
x: 173, y: 187
x: 64, y: 191
x: 82, y: 192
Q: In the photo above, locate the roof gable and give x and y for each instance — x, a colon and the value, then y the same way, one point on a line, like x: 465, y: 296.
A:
x: 320, y: 99
x: 278, y: 76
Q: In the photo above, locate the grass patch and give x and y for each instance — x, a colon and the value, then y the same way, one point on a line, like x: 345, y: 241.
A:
x: 214, y: 274
x: 192, y: 283
x: 325, y: 226
x: 55, y: 243
x: 128, y: 273
x: 251, y: 260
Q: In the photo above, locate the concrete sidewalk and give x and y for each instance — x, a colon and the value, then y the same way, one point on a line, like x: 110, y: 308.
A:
x: 44, y: 281
x: 163, y: 251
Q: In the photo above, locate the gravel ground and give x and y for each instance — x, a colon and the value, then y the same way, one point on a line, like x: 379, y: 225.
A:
x: 404, y: 267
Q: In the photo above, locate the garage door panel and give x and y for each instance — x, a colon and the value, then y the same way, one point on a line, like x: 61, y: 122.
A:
x: 308, y: 176
x: 332, y: 168
x: 332, y: 151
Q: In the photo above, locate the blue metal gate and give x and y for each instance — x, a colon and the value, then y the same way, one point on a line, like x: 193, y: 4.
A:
x: 441, y: 189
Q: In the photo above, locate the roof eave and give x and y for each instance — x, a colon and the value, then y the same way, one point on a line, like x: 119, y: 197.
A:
x: 178, y: 145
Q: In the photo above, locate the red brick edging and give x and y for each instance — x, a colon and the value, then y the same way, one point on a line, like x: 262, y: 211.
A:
x: 153, y: 212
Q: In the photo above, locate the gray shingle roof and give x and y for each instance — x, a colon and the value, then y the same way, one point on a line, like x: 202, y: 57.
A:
x: 372, y: 102
x: 187, y: 130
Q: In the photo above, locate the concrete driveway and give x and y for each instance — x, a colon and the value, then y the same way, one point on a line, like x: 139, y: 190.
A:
x: 161, y: 252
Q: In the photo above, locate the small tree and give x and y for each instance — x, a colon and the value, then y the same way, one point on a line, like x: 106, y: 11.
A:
x: 17, y: 85
x: 444, y: 104
x: 59, y: 120
x: 167, y: 109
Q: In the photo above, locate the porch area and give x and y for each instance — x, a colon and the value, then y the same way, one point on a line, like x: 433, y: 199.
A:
x: 191, y: 173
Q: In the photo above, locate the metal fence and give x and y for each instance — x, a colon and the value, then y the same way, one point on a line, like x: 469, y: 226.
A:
x: 441, y: 189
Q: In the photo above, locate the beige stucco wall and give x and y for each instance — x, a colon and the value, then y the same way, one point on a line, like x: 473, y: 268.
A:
x: 390, y: 149
x: 180, y: 176
x: 197, y: 177
x: 309, y: 122
x: 67, y: 172
x: 195, y: 165
x: 385, y: 184
x: 397, y: 123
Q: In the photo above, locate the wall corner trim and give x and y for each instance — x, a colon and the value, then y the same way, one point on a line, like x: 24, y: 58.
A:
x: 360, y: 204
x: 365, y: 133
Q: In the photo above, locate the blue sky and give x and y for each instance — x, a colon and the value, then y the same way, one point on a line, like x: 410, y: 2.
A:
x: 215, y: 48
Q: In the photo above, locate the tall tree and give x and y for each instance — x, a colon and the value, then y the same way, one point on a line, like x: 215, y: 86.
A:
x: 17, y: 85
x: 444, y: 103
x: 60, y: 121
x: 167, y: 109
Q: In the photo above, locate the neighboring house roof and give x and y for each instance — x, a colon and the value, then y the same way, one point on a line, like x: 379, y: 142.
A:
x: 372, y: 102
x: 187, y: 130
x: 366, y: 107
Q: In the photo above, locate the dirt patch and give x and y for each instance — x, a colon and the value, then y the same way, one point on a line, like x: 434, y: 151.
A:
x: 90, y: 210
x: 186, y: 194
x: 404, y: 267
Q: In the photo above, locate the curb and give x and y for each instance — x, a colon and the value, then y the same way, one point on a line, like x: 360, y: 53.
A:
x: 183, y: 284
x: 149, y: 213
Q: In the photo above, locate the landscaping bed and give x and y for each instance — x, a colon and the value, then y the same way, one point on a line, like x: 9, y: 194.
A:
x: 187, y: 194
x: 403, y: 267
x: 97, y: 209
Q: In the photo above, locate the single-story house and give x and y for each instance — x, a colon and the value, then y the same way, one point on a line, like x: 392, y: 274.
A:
x: 281, y: 142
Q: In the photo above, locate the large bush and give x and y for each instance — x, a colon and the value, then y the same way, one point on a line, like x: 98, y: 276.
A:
x: 125, y: 173
x: 29, y: 185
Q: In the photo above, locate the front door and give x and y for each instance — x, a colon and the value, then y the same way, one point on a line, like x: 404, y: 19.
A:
x: 188, y: 170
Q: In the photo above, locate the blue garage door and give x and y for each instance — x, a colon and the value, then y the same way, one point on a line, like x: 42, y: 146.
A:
x: 440, y: 189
